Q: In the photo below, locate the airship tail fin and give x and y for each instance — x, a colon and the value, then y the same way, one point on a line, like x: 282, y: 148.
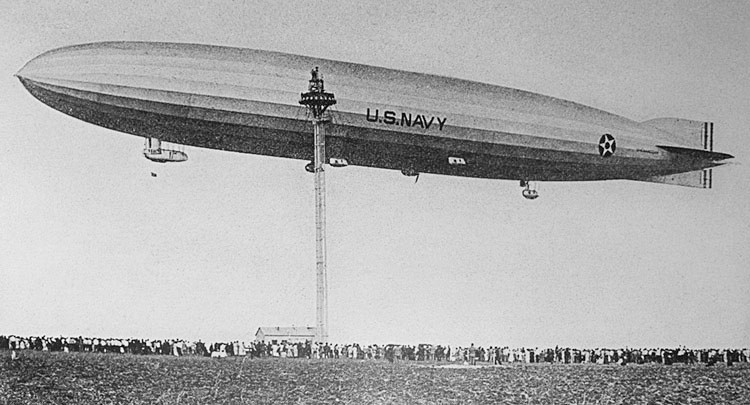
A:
x: 696, y: 153
x: 692, y: 134
x: 698, y: 179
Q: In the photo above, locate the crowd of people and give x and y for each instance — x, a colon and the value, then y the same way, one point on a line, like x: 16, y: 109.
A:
x: 470, y: 355
x: 176, y: 347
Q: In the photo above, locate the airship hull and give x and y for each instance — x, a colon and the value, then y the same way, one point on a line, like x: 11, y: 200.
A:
x: 247, y: 101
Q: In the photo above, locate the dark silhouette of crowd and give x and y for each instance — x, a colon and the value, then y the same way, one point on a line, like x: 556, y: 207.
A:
x: 471, y: 355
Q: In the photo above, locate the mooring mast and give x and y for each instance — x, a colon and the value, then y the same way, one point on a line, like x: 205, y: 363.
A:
x: 317, y: 101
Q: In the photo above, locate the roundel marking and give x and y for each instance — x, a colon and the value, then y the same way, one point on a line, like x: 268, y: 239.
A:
x: 607, y: 145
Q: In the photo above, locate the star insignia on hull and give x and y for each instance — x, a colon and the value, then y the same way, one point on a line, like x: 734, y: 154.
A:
x: 607, y: 145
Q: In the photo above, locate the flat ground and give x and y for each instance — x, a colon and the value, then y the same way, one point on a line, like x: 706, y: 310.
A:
x: 84, y: 378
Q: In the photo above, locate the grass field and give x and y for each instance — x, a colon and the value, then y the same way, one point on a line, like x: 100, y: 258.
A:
x: 84, y: 378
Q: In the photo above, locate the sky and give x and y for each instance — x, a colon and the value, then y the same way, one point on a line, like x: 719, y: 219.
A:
x: 92, y: 244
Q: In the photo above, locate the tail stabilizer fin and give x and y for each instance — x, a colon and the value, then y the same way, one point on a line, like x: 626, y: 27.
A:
x: 694, y: 134
x: 697, y: 179
x: 696, y: 153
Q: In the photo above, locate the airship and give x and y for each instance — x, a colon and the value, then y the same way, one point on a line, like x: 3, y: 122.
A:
x: 248, y: 101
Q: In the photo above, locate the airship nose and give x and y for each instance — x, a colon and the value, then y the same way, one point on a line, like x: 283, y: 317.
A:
x: 37, y: 73
x: 23, y: 72
x: 71, y: 71
x: 33, y: 68
x: 80, y: 71
x: 83, y: 67
x: 30, y: 77
x: 49, y: 67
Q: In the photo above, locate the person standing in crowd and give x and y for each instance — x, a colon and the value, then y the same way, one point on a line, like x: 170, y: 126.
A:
x: 472, y: 353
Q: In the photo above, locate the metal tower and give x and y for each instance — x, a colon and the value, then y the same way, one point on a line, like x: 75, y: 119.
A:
x: 317, y: 101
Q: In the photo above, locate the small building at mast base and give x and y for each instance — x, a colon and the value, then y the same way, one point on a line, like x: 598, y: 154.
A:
x: 289, y: 334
